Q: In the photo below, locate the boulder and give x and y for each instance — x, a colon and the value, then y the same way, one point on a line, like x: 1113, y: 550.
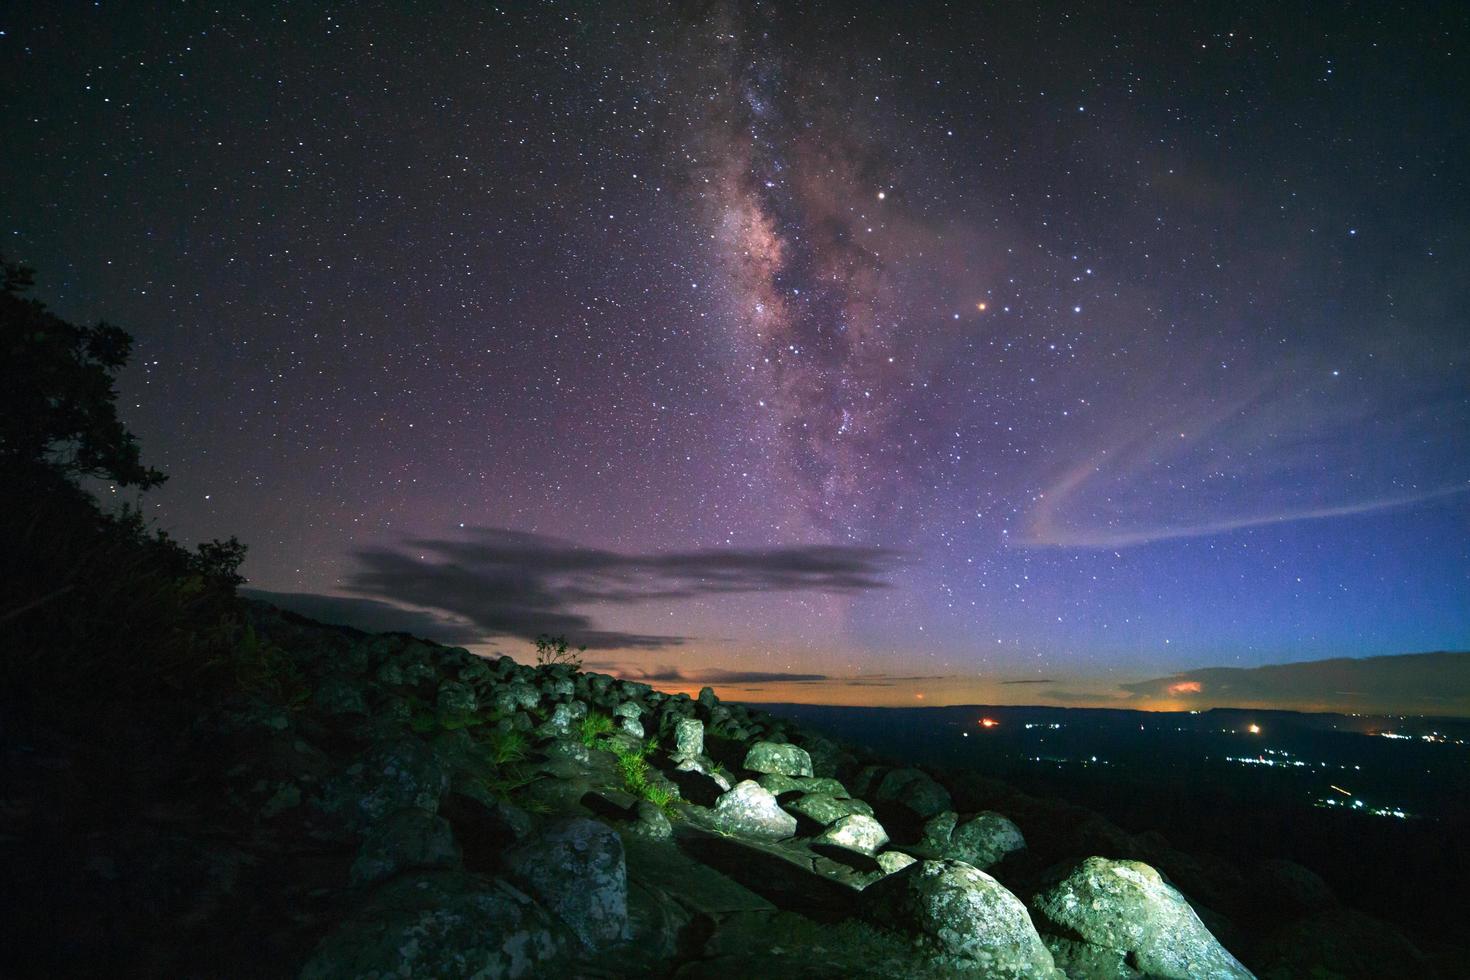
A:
x: 337, y: 696
x: 456, y: 704
x: 984, y: 839
x: 651, y: 821
x: 441, y: 924
x: 823, y: 809
x: 774, y: 757
x: 407, y: 838
x: 404, y: 773
x: 688, y: 739
x: 575, y: 868
x: 855, y: 832
x: 707, y: 697
x: 1127, y: 906
x: 915, y: 790
x: 516, y: 696
x: 749, y: 810
x: 967, y: 916
x: 894, y: 861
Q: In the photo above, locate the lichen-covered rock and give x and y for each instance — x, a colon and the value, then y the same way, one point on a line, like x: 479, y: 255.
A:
x: 914, y: 789
x: 408, y: 838
x: 774, y: 757
x: 517, y: 695
x: 938, y: 828
x: 559, y: 723
x: 558, y: 688
x: 749, y: 810
x: 1127, y: 905
x: 823, y: 809
x: 456, y: 704
x: 779, y: 783
x: 891, y: 862
x: 707, y: 697
x: 984, y: 839
x: 404, y: 773
x: 855, y: 832
x: 651, y: 821
x: 575, y: 868
x: 338, y: 696
x: 441, y: 924
x: 1085, y: 961
x: 688, y: 739
x: 968, y: 916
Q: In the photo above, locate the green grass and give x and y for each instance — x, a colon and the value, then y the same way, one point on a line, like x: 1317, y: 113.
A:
x: 595, y: 723
x: 635, y: 770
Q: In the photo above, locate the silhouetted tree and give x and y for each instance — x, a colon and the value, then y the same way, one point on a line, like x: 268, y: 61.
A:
x: 57, y: 401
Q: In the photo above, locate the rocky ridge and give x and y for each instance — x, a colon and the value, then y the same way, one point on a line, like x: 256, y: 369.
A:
x: 450, y: 815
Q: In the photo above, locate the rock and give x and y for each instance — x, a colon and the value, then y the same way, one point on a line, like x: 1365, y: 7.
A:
x: 1126, y: 905
x: 971, y: 919
x: 984, y: 839
x: 773, y: 757
x: 914, y: 789
x: 707, y: 697
x: 517, y: 695
x: 1084, y: 961
x: 628, y: 709
x: 938, y: 828
x: 575, y: 868
x: 855, y: 832
x: 652, y: 822
x: 559, y: 723
x: 778, y: 783
x: 823, y: 809
x: 441, y: 924
x: 632, y: 726
x: 749, y: 810
x: 894, y: 861
x: 1289, y: 890
x: 688, y: 739
x: 558, y: 688
x: 475, y: 671
x: 456, y: 705
x: 405, y: 773
x: 336, y: 696
x: 408, y: 838
x: 1347, y: 943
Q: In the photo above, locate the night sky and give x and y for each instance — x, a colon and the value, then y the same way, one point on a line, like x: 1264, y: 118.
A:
x: 861, y: 353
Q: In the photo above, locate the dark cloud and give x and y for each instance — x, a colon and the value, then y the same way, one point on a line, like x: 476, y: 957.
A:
x: 370, y: 615
x: 511, y: 583
x: 1429, y: 682
x: 1042, y: 680
x: 666, y: 673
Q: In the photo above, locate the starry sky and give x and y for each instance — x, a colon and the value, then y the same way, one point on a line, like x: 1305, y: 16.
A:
x: 861, y: 353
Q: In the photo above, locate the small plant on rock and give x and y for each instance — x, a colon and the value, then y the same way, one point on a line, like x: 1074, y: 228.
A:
x: 554, y: 650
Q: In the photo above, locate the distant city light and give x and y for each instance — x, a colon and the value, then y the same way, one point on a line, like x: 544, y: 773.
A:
x: 1254, y: 729
x: 988, y: 723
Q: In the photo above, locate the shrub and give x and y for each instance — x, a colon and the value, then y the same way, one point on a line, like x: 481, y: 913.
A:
x: 554, y: 650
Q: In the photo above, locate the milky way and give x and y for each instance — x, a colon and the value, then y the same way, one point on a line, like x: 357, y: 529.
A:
x: 1109, y: 343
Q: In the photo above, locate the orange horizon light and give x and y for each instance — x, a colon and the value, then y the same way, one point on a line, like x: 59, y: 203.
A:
x: 988, y: 723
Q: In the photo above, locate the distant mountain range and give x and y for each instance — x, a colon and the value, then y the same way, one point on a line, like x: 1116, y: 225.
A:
x: 1410, y: 683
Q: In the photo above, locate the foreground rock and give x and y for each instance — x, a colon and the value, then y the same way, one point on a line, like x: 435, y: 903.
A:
x: 750, y: 810
x: 440, y: 925
x: 972, y: 922
x: 1127, y: 906
x: 575, y: 867
x: 778, y: 757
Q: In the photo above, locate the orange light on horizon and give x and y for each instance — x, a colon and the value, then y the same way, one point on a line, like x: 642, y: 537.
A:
x: 1185, y: 687
x: 1254, y: 729
x: 988, y: 723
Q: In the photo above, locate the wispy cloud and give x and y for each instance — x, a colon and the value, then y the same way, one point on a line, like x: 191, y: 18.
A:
x: 511, y: 583
x: 371, y: 616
